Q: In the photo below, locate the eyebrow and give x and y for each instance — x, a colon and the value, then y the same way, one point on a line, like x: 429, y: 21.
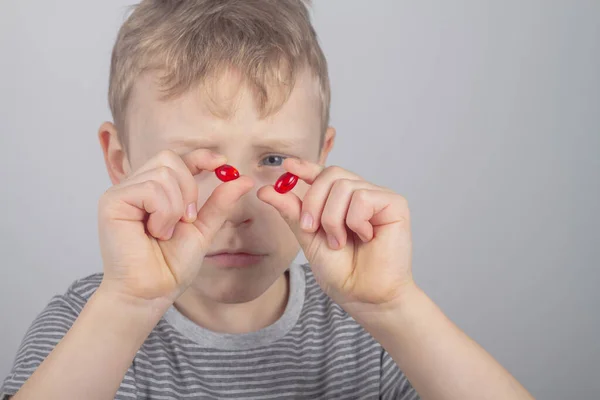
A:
x: 193, y: 142
x: 279, y: 144
x: 266, y: 143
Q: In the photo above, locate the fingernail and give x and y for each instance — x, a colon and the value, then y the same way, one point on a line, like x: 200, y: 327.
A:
x: 191, y: 211
x: 333, y: 243
x: 306, y: 222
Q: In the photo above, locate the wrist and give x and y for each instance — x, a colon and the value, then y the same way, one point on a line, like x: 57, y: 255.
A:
x: 138, y: 309
x: 390, y: 316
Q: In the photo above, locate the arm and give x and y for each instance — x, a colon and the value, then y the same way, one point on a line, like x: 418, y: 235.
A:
x: 153, y: 239
x: 358, y: 241
x: 440, y: 360
x: 92, y: 358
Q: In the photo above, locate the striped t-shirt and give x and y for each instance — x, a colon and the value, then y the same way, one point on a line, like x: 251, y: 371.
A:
x: 314, y: 351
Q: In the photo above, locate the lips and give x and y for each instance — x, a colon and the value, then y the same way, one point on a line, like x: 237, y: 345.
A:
x: 232, y: 259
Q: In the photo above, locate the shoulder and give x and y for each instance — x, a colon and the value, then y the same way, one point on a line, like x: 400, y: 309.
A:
x: 62, y: 310
x: 69, y: 304
x: 47, y: 329
x: 75, y: 297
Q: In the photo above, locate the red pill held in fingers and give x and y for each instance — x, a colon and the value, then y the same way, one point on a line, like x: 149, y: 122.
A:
x: 285, y: 183
x: 227, y: 173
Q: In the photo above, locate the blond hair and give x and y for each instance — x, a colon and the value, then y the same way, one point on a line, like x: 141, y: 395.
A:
x: 267, y: 42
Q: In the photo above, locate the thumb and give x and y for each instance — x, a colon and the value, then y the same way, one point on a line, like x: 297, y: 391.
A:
x: 290, y: 207
x: 213, y: 214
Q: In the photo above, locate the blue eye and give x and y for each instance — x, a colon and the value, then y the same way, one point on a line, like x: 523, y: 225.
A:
x: 272, y: 161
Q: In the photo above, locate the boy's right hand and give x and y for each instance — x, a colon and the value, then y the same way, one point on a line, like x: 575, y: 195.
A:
x: 152, y: 239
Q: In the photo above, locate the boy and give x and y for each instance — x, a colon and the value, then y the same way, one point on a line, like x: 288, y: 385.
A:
x: 199, y: 297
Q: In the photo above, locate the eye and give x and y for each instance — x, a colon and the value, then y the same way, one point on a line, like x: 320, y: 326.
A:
x: 272, y: 161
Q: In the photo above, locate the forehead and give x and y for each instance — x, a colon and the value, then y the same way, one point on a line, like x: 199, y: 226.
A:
x: 190, y: 117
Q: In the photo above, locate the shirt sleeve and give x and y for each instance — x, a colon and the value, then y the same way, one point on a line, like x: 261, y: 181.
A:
x: 394, y: 384
x: 47, y: 329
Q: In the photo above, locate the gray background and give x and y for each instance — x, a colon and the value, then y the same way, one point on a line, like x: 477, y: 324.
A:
x: 484, y: 114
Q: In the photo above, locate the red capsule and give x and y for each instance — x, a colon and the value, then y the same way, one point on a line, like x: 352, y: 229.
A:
x: 285, y: 183
x: 227, y: 173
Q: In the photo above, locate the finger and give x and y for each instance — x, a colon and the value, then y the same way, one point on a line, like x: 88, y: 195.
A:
x: 168, y: 179
x: 195, y: 161
x: 137, y: 202
x: 220, y: 203
x: 314, y: 200
x: 371, y: 209
x: 200, y: 160
x: 185, y: 167
x: 309, y: 171
x: 305, y: 170
x: 289, y: 206
x: 336, y: 209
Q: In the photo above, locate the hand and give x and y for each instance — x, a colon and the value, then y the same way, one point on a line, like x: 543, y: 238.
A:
x: 152, y: 237
x: 359, y: 243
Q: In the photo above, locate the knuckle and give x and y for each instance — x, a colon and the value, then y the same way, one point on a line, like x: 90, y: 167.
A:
x: 343, y: 185
x: 166, y: 154
x: 361, y: 195
x: 352, y: 221
x: 334, y: 170
x: 328, y: 222
x: 154, y: 188
x: 165, y: 173
x: 167, y: 157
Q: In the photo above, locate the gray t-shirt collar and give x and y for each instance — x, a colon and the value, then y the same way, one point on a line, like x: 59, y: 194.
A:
x: 246, y: 341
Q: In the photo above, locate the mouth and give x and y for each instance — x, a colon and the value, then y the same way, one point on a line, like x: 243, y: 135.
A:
x: 233, y: 259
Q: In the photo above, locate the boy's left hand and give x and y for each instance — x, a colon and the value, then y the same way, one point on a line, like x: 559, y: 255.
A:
x: 359, y: 243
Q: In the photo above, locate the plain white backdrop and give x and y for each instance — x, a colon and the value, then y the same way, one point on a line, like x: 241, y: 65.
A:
x: 485, y: 115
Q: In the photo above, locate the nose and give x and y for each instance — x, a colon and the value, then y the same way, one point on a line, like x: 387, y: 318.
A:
x: 245, y: 210
x: 240, y: 215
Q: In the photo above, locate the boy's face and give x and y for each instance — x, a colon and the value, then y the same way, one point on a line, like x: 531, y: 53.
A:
x: 256, y: 147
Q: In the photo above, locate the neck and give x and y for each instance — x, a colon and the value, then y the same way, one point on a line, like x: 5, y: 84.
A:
x: 236, y: 318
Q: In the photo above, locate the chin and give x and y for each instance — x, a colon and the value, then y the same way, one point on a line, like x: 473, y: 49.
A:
x: 235, y: 285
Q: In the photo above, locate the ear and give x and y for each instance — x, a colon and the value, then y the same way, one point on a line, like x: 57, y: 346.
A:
x: 328, y: 142
x: 115, y: 158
